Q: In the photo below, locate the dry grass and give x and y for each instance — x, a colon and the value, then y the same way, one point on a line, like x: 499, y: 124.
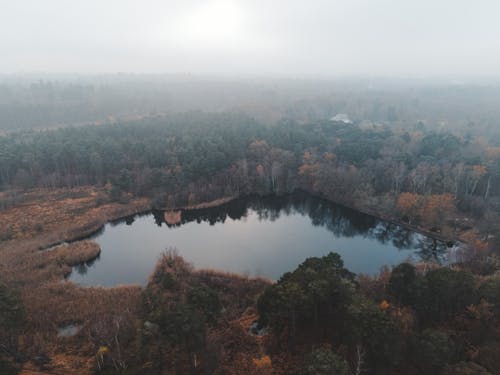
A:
x: 236, y: 350
x: 214, y: 203
x: 50, y: 217
x: 236, y: 292
x: 45, y: 218
x: 61, y: 303
x: 63, y: 213
x: 75, y: 253
x: 56, y: 263
x: 62, y: 364
x: 172, y: 217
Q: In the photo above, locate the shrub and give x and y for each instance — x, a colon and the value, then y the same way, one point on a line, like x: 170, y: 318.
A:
x: 432, y: 350
x: 402, y: 284
x: 324, y: 362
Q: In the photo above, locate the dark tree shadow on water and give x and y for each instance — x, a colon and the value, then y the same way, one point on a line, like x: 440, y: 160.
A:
x: 430, y: 249
x: 83, y: 268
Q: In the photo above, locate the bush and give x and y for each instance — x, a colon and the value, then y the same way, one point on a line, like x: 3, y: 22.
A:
x: 445, y: 292
x: 402, y: 284
x: 372, y: 328
x: 314, y: 296
x: 11, y: 320
x: 466, y: 368
x: 490, y: 291
x: 6, y: 235
x: 324, y: 362
x: 205, y: 300
x: 432, y: 350
x: 6, y: 368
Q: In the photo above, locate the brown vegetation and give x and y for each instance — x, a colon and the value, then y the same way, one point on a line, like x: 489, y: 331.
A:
x: 112, y: 320
x: 45, y: 218
x: 212, y: 203
x: 98, y: 310
x: 75, y: 253
x: 226, y: 344
x: 41, y: 219
x: 35, y: 259
x: 172, y: 217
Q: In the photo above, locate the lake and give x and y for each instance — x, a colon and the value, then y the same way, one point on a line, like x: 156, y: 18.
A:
x: 256, y: 236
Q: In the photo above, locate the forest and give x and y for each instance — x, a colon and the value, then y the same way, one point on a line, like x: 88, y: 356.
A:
x: 48, y: 101
x: 224, y: 187
x: 317, y: 319
x: 418, y: 175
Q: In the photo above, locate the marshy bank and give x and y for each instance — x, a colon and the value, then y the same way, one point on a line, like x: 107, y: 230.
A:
x: 255, y: 235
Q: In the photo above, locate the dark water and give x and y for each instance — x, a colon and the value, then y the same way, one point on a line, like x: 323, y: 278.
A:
x: 254, y: 236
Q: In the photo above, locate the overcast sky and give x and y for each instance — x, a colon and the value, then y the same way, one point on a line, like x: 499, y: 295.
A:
x: 253, y: 37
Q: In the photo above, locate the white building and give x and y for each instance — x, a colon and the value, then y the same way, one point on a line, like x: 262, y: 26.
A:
x: 341, y: 117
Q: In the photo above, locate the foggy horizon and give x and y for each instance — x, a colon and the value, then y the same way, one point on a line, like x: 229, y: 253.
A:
x: 454, y: 40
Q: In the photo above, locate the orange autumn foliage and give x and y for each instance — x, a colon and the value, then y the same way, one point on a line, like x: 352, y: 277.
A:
x: 478, y: 170
x: 262, y: 362
x: 329, y: 156
x: 436, y: 207
x: 474, y: 242
x: 408, y: 204
x: 308, y: 169
x: 431, y: 208
x: 384, y: 305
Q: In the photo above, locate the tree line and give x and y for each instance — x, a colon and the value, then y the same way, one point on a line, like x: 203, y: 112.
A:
x: 439, y: 321
x: 421, y: 175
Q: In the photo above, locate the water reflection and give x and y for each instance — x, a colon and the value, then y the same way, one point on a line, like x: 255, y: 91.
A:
x: 340, y: 220
x: 256, y: 236
x: 83, y: 268
x: 432, y: 250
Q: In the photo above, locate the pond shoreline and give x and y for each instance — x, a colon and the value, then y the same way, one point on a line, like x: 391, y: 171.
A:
x: 88, y: 233
x: 89, y: 230
x: 341, y: 220
x: 390, y: 219
x: 418, y: 229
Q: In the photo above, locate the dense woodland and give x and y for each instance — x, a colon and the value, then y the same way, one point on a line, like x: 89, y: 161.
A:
x: 319, y: 318
x: 418, y: 174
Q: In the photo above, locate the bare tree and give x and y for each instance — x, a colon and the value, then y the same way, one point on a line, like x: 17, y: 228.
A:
x: 360, y: 360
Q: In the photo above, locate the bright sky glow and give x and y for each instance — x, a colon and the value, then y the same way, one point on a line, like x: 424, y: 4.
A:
x: 257, y: 37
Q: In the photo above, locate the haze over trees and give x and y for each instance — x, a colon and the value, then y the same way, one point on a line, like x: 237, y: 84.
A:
x: 444, y: 180
x: 56, y: 100
x: 423, y: 176
x: 389, y: 107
